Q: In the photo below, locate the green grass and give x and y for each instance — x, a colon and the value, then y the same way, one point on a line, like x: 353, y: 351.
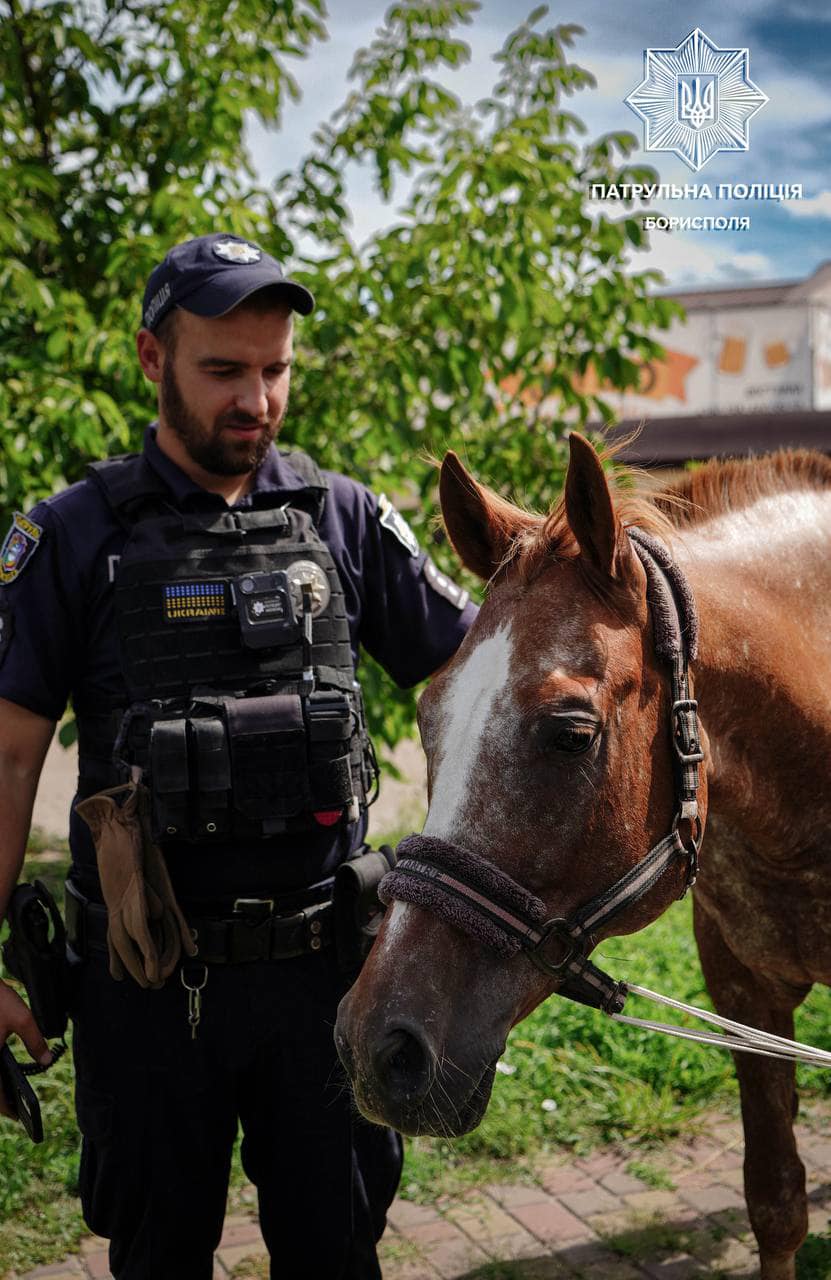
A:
x: 813, y: 1262
x: 652, y: 1174
x: 39, y: 1216
x: 600, y: 1082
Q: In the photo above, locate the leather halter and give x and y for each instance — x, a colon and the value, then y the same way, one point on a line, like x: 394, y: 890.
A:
x: 473, y: 894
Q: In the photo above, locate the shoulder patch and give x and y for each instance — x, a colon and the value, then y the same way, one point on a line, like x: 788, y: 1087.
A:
x: 6, y: 626
x: 445, y: 586
x: 20, y: 544
x: 393, y: 521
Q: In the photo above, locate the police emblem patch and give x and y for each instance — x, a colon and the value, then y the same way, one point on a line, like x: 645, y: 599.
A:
x: 21, y: 543
x: 445, y: 586
x: 306, y: 571
x: 237, y: 251
x: 397, y: 525
x: 194, y: 601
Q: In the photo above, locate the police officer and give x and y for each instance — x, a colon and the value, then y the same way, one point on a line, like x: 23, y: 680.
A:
x: 203, y: 604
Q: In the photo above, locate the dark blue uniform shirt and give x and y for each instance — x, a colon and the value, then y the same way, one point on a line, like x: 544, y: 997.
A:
x: 59, y: 615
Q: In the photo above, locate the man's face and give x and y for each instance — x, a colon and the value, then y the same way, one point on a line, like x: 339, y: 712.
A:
x: 224, y: 389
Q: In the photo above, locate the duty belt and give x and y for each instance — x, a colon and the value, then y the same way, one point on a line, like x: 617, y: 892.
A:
x: 249, y: 929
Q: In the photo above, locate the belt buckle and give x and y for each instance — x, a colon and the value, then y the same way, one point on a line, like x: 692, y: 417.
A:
x: 254, y: 910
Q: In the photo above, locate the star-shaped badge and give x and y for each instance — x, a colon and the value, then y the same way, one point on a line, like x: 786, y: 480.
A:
x: 237, y: 251
x: 696, y: 100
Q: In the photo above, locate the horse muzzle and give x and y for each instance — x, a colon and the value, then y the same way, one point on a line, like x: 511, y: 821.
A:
x: 399, y: 1079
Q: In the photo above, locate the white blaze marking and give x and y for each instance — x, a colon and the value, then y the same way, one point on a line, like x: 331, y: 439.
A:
x: 395, y: 919
x: 466, y: 711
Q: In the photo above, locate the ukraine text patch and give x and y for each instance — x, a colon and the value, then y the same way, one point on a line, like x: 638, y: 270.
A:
x: 21, y: 543
x: 195, y: 601
x: 397, y: 525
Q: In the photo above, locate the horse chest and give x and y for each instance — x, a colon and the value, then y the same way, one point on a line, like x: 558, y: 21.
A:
x: 776, y: 919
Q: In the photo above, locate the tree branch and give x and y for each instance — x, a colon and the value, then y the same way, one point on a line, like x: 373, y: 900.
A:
x: 31, y: 87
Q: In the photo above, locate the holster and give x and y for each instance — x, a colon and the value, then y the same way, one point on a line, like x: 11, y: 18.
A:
x: 35, y: 954
x: 357, y: 909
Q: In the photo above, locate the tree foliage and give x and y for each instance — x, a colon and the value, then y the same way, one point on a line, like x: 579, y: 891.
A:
x: 466, y: 323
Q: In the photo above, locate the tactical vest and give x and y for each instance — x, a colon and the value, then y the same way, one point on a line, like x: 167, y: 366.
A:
x: 244, y: 716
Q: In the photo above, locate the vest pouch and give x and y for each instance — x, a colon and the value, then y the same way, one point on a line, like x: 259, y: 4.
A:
x: 213, y: 777
x: 268, y: 759
x: 331, y: 723
x: 169, y: 779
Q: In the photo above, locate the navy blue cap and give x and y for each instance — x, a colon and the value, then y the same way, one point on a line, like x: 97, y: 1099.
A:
x: 213, y: 274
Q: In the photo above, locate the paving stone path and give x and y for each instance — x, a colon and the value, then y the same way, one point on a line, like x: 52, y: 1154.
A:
x: 675, y: 1213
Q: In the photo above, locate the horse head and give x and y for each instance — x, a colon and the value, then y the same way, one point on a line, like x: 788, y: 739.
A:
x: 549, y: 756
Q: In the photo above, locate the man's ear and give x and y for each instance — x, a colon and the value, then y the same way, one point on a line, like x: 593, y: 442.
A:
x: 481, y: 525
x: 151, y: 354
x: 591, y: 513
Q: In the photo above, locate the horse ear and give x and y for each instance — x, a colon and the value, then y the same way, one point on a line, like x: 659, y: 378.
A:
x: 480, y: 524
x: 589, y: 507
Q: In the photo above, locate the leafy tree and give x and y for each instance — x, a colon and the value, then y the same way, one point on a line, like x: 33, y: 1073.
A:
x: 468, y: 323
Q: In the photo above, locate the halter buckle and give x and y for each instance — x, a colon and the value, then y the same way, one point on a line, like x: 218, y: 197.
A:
x: 691, y: 846
x: 685, y: 736
x: 558, y: 926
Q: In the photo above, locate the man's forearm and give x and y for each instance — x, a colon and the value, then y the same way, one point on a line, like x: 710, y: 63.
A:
x: 24, y: 741
x: 17, y: 796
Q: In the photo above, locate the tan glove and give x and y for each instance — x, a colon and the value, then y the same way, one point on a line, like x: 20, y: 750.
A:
x: 145, y: 927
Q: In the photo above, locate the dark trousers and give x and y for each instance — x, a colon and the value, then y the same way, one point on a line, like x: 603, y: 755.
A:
x: 158, y: 1112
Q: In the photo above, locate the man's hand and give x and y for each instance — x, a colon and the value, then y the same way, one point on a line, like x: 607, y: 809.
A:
x: 16, y: 1016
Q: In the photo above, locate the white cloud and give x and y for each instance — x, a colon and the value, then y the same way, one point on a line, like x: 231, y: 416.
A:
x: 818, y: 206
x: 686, y: 261
x: 794, y: 98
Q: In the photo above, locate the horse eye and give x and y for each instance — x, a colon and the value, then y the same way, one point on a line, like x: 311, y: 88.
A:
x: 568, y: 734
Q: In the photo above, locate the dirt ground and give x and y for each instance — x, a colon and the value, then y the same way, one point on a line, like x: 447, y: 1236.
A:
x: 399, y: 806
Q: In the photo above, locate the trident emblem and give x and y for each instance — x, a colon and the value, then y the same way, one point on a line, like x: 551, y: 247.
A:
x: 696, y: 100
x: 697, y: 105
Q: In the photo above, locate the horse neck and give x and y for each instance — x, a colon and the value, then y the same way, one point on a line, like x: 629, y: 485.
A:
x: 762, y: 582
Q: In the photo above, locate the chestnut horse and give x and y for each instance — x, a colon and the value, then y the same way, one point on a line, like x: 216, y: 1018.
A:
x: 548, y: 755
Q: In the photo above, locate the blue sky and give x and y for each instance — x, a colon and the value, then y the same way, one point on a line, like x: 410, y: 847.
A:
x: 789, y: 42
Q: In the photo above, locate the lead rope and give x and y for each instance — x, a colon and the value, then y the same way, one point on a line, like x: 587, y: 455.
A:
x: 739, y: 1038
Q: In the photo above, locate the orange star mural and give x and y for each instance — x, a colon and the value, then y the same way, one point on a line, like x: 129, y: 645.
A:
x: 659, y: 380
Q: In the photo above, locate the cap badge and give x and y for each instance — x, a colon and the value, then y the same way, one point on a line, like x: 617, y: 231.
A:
x: 237, y: 251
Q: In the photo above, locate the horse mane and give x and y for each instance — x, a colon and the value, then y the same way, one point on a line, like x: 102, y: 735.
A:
x: 716, y: 487
x: 721, y: 486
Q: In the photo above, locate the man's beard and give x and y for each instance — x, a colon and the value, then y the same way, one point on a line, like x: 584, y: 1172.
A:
x: 212, y: 448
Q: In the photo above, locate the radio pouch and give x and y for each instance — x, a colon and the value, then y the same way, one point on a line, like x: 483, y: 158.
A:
x: 268, y: 758
x: 357, y: 909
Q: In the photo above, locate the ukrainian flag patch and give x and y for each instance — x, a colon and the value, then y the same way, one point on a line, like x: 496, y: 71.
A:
x: 195, y: 601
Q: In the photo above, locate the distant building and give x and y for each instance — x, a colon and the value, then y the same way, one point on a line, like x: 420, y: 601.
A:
x: 748, y: 371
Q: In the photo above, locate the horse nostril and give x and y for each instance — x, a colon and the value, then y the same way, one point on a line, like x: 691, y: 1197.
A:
x: 345, y: 1052
x: 402, y: 1064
